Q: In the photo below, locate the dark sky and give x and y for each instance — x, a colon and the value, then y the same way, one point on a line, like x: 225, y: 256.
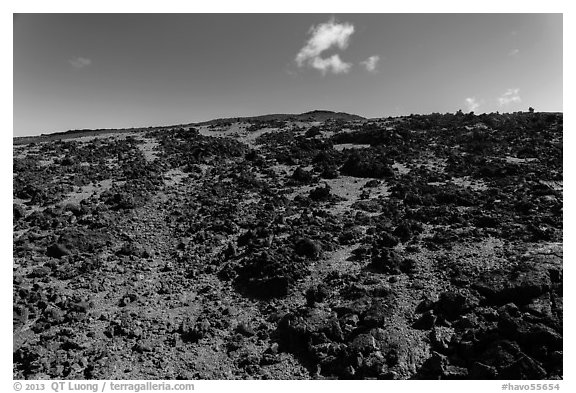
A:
x: 76, y: 71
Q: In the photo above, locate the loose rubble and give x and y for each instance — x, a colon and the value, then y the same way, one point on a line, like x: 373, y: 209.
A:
x: 322, y: 246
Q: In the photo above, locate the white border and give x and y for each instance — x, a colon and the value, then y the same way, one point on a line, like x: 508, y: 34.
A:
x: 295, y: 6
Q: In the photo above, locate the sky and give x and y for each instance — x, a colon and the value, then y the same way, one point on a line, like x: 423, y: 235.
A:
x: 88, y: 71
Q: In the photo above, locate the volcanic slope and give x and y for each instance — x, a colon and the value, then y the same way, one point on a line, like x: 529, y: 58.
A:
x: 420, y: 247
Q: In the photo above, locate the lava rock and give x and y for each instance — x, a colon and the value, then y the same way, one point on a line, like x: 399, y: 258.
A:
x: 320, y: 193
x: 316, y: 294
x: 245, y: 329
x: 453, y: 304
x: 56, y: 250
x: 308, y: 248
x: 482, y: 371
x: 386, y: 261
x: 302, y: 175
x: 426, y: 321
x: 40, y: 271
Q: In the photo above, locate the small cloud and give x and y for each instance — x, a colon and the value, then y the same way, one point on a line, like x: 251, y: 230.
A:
x: 323, y: 37
x: 511, y: 96
x: 472, y: 104
x: 513, y: 52
x: 80, y: 62
x: 371, y: 63
x: 332, y: 63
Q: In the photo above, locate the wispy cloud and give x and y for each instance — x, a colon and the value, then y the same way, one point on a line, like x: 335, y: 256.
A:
x: 513, y: 52
x: 80, y: 62
x: 509, y: 97
x: 371, y: 63
x: 472, y: 104
x: 323, y: 37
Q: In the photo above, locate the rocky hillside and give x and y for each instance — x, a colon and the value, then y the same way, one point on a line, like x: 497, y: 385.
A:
x: 317, y: 246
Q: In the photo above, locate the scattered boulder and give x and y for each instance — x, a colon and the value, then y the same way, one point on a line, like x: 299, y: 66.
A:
x: 308, y: 248
x: 301, y: 175
x: 452, y: 305
x: 385, y: 260
x: 320, y: 193
x: 57, y: 250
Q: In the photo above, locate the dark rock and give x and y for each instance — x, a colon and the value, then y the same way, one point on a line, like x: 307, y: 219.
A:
x: 363, y: 165
x: 385, y: 239
x: 18, y: 211
x: 320, y: 193
x: 519, y: 289
x: 372, y: 183
x: 426, y: 321
x: 370, y: 205
x: 465, y: 349
x: 312, y: 132
x: 133, y: 249
x: 541, y: 335
x: 403, y: 232
x: 269, y: 359
x: 272, y: 349
x: 120, y: 201
x: 329, y: 172
x: 434, y: 366
x: 408, y: 266
x: 364, y: 343
x: 453, y: 304
x: 555, y: 275
x: 246, y: 238
x: 81, y: 306
x: 482, y: 371
x: 298, y: 329
x: 349, y: 236
x: 142, y: 347
x: 40, y: 271
x: 269, y: 287
x: 523, y: 368
x: 53, y: 315
x: 383, y: 290
x: 316, y: 294
x: 425, y: 305
x: 230, y: 251
x: 386, y: 261
x: 498, y: 353
x: 454, y: 372
x: 377, y: 314
x: 76, y: 209
x: 348, y: 323
x: 308, y: 248
x: 510, y: 309
x: 466, y: 322
x: 540, y: 307
x: 270, y: 273
x: 360, y: 252
x: 57, y: 251
x: 83, y: 241
x: 245, y: 329
x: 193, y: 331
x: 302, y: 175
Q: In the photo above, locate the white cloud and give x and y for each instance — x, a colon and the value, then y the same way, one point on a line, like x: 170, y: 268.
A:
x: 371, y: 63
x: 332, y: 63
x: 513, y: 52
x: 511, y: 96
x: 80, y: 62
x: 323, y: 37
x: 472, y: 104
